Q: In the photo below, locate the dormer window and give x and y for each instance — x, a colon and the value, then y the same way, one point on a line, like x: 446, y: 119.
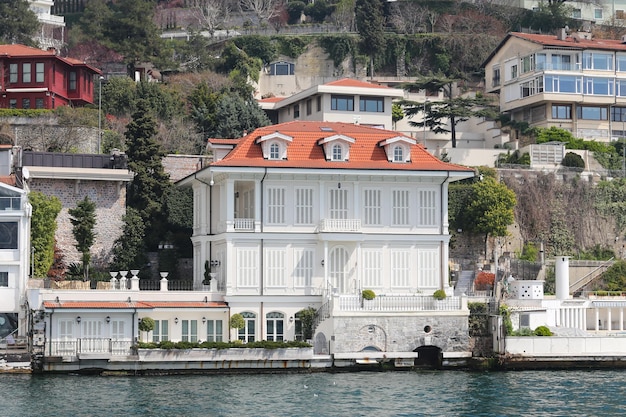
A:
x: 398, y: 149
x: 398, y: 154
x: 336, y: 147
x: 337, y: 153
x: 274, y: 151
x: 274, y: 145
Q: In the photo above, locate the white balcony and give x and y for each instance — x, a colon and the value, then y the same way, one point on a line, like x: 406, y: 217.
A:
x: 397, y: 303
x: 242, y: 224
x: 340, y: 225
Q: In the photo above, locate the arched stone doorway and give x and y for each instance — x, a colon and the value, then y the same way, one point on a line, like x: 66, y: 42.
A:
x: 428, y: 357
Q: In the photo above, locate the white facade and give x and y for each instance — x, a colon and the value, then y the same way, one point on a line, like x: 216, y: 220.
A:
x: 308, y: 214
x: 597, y: 11
x: 15, y: 213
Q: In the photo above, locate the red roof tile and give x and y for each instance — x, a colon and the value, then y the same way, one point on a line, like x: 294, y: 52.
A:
x: 16, y: 50
x: 305, y: 152
x: 349, y: 82
x: 271, y: 99
x: 217, y: 141
x: 572, y: 42
x: 110, y: 305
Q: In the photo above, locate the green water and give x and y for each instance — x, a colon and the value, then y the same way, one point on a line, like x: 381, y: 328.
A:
x: 427, y: 393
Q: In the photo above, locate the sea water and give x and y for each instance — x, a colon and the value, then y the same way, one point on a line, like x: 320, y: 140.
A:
x: 407, y: 393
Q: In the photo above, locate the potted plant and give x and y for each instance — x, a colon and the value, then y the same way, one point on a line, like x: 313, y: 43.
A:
x: 236, y: 323
x: 439, y: 296
x: 366, y: 297
x: 146, y: 324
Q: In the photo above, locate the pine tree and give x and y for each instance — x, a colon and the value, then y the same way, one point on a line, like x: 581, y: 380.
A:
x: 148, y: 190
x: 83, y: 219
x: 369, y: 22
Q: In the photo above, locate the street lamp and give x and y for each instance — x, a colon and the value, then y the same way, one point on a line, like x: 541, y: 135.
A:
x: 100, y: 112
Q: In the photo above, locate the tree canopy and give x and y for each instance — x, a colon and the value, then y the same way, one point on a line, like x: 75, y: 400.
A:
x: 43, y: 225
x: 17, y: 22
x: 83, y: 219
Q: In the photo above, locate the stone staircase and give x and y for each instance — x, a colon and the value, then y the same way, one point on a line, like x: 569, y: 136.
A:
x: 464, y: 284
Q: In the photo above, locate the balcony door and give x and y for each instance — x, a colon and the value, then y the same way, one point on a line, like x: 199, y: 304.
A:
x: 338, y: 269
x: 338, y: 204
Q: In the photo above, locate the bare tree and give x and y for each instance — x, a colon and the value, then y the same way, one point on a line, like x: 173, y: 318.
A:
x: 264, y: 10
x: 210, y: 13
x: 344, y: 15
x: 408, y: 18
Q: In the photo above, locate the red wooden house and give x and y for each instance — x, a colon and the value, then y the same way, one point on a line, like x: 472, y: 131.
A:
x: 32, y: 78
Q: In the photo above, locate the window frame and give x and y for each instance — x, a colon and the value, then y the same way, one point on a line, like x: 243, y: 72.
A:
x: 341, y: 102
x: 39, y: 72
x: 366, y: 103
x: 26, y: 72
x: 4, y: 279
x: 214, y: 330
x: 189, y: 331
x: 275, y: 326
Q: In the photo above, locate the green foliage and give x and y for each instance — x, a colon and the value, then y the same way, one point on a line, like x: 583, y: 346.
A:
x: 128, y: 249
x: 615, y: 277
x: 234, y: 58
x: 237, y: 321
x: 83, y: 219
x: 29, y: 113
x: 439, y: 295
x: 530, y: 252
x: 573, y: 160
x: 506, y: 319
x: 237, y: 115
x: 307, y: 316
x: 597, y: 253
x: 397, y: 113
x: 292, y: 46
x: 368, y: 294
x: 294, y: 10
x: 146, y: 324
x: 256, y: 46
x: 543, y: 331
x: 478, y: 319
x: 318, y: 10
x: 150, y: 185
x: 549, y: 287
x: 369, y: 21
x: 490, y: 208
x: 611, y: 200
x: 261, y: 344
x: 179, y: 204
x: 548, y: 16
x: 18, y: 23
x: 119, y: 96
x: 553, y: 134
x: 338, y: 47
x: 514, y: 158
x: 43, y: 225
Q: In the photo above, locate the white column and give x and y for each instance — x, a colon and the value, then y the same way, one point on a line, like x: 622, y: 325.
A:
x: 608, y: 318
x: 621, y: 319
x: 257, y: 206
x: 596, y: 326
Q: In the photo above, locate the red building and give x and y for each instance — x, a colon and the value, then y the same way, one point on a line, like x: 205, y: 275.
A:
x: 31, y: 78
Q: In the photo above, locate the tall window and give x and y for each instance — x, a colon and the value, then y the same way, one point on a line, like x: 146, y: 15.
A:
x: 304, y: 205
x: 400, y: 207
x: 39, y: 74
x: 72, y: 81
x: 428, y: 268
x: 303, y: 268
x: 117, y: 330
x: 275, y: 267
x: 13, y: 73
x: 247, y: 334
x: 214, y: 331
x: 495, y: 78
x: 26, y: 72
x: 247, y: 267
x: 8, y: 235
x: 274, y: 324
x: 372, y: 104
x: 398, y: 154
x: 338, y: 204
x: 39, y: 103
x: 372, y: 207
x: 337, y: 153
x: 160, y: 331
x: 4, y: 279
x: 13, y: 103
x: 296, y: 111
x: 189, y: 331
x: 342, y: 103
x: 427, y: 208
x: 400, y: 268
x: 318, y: 101
x: 275, y: 205
x: 372, y: 267
x: 26, y: 103
x: 309, y: 105
x: 274, y: 151
x: 337, y: 269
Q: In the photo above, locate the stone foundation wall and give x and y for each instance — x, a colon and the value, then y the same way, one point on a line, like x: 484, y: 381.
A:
x: 110, y: 199
x: 401, y: 333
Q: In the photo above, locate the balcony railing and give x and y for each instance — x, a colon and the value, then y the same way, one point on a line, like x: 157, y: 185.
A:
x: 244, y: 224
x: 340, y: 225
x: 75, y: 347
x: 399, y: 303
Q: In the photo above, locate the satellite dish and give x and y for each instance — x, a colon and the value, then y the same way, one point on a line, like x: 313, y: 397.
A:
x: 25, y: 173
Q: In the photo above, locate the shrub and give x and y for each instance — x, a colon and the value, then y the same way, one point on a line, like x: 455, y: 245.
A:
x: 573, y: 160
x: 439, y: 295
x: 524, y: 331
x: 543, y: 331
x: 146, y: 324
x: 484, y: 281
x: 368, y: 294
x: 237, y: 321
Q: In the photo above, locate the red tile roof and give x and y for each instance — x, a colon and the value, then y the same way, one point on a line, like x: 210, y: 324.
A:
x: 349, y: 82
x: 572, y: 42
x: 16, y: 50
x: 217, y: 141
x: 112, y: 305
x: 271, y: 99
x: 9, y: 180
x: 305, y: 152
